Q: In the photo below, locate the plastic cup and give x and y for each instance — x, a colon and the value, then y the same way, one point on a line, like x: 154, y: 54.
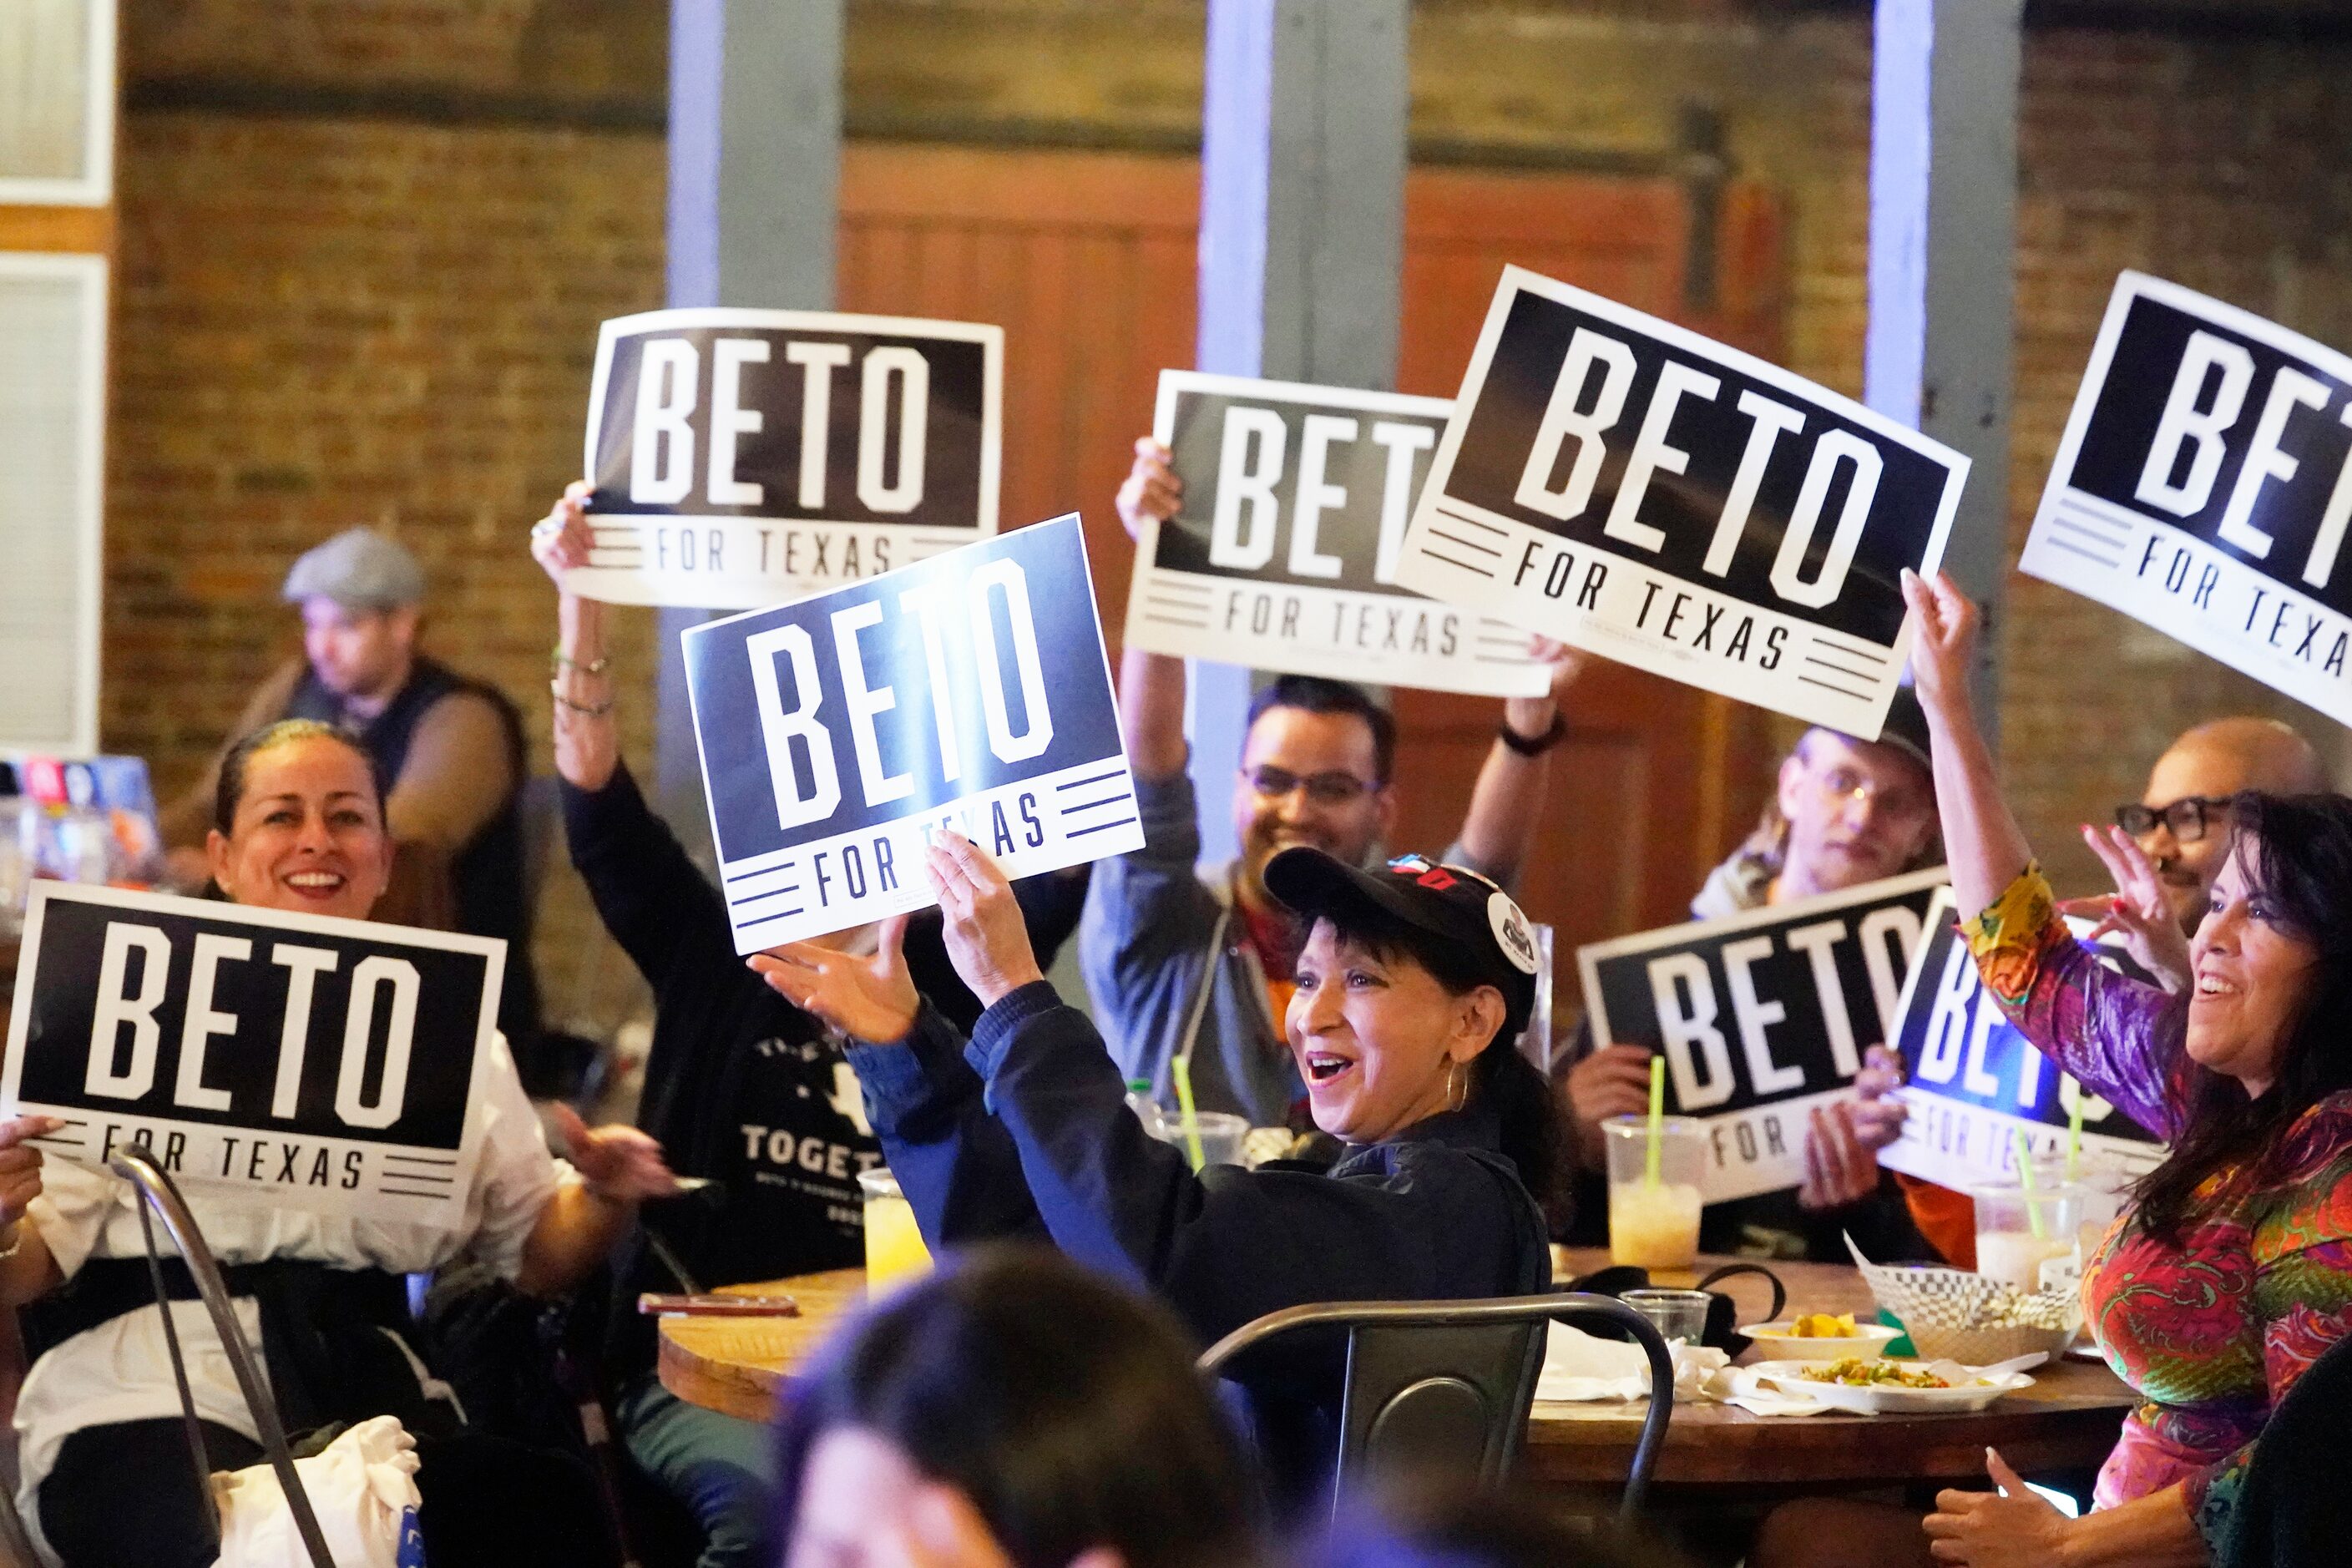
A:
x: 1654, y: 1225
x: 894, y: 1243
x: 1222, y: 1136
x: 2018, y: 1232
x: 1677, y: 1314
x: 2107, y: 1186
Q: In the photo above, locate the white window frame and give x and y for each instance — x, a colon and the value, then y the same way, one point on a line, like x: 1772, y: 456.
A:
x: 89, y: 463
x: 94, y: 186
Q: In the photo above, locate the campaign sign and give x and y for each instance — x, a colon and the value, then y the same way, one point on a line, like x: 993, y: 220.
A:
x: 1761, y: 1016
x: 1285, y: 555
x: 2204, y: 486
x: 839, y: 733
x: 742, y: 457
x: 304, y: 1061
x: 1626, y: 486
x: 1975, y: 1081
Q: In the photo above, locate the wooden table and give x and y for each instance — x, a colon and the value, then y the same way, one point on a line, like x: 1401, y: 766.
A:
x: 2067, y: 1420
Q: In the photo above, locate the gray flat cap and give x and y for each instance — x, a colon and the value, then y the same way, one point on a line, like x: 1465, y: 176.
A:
x: 359, y: 569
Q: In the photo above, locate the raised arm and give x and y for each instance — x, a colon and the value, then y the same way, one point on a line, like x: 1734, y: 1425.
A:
x: 1506, y: 802
x: 2112, y: 1033
x: 1983, y: 845
x: 1151, y: 685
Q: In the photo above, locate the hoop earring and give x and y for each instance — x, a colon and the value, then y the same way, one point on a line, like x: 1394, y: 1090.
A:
x: 1457, y: 1086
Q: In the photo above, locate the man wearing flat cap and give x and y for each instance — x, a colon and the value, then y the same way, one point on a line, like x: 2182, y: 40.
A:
x: 451, y: 747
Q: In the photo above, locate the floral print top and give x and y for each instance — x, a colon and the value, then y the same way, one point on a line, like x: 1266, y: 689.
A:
x: 2212, y: 1329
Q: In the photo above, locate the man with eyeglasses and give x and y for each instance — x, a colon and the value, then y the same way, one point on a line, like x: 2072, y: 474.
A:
x: 1181, y: 968
x: 1843, y: 812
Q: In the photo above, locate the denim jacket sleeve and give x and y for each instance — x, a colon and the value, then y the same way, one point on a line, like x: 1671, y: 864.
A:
x: 953, y: 1161
x: 1143, y: 937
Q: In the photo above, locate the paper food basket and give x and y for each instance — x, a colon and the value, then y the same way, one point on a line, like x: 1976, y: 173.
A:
x: 1954, y: 1315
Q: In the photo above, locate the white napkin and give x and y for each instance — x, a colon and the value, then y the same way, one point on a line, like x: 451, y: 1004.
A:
x: 1740, y: 1386
x: 1580, y: 1367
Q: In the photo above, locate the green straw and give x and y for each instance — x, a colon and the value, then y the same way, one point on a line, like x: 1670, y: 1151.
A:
x: 1180, y: 1071
x: 2074, y: 1135
x: 2025, y: 1180
x: 1657, y: 1113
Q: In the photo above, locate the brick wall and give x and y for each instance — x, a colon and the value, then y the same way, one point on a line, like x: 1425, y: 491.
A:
x: 372, y: 304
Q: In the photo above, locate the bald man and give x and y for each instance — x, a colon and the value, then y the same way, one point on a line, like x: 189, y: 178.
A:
x: 2182, y: 820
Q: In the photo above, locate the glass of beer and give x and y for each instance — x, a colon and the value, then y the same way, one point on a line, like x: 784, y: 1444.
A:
x: 894, y: 1244
x: 1654, y: 1197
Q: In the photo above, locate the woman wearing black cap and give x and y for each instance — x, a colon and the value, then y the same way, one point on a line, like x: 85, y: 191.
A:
x: 1414, y: 980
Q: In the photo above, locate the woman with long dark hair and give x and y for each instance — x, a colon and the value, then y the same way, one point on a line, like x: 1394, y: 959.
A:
x: 1414, y: 981
x: 1010, y: 1409
x: 2232, y: 1271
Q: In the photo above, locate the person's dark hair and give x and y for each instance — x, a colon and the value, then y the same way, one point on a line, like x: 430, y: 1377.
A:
x: 1313, y: 694
x: 2298, y: 850
x: 229, y: 792
x: 1068, y: 1411
x: 1533, y: 1134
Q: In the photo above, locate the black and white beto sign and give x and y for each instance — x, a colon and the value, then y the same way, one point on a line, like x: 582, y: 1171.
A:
x: 2204, y: 486
x: 312, y: 1063
x: 1761, y: 1016
x: 970, y: 692
x: 1285, y: 553
x: 1974, y: 1081
x: 742, y: 457
x: 1628, y: 487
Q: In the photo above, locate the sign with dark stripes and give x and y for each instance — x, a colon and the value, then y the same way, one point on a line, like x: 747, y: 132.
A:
x: 742, y: 457
x: 840, y: 731
x: 306, y: 1062
x: 1629, y: 487
x: 1974, y: 1081
x: 1285, y: 555
x: 2204, y: 486
x: 1761, y: 1016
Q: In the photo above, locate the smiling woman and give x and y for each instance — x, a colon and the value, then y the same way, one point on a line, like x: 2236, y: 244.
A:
x: 1415, y: 982
x: 2233, y: 1272
x: 298, y: 826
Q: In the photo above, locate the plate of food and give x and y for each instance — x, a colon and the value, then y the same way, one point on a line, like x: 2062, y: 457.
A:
x: 1822, y: 1336
x: 1879, y: 1387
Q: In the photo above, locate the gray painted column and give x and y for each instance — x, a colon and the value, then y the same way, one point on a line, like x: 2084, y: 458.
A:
x: 1302, y: 244
x: 754, y: 199
x: 1943, y: 265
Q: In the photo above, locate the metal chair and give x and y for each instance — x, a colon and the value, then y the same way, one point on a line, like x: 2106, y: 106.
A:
x: 1432, y: 1381
x: 136, y: 1163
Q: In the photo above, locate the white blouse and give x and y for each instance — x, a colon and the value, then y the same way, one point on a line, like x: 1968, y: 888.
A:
x: 122, y: 1370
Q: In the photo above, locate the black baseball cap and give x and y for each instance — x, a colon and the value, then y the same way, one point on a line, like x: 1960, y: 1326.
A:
x: 1452, y: 904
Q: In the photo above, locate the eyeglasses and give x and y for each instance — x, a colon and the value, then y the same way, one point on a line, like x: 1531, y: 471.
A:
x: 2189, y: 817
x: 1844, y: 785
x: 1323, y: 789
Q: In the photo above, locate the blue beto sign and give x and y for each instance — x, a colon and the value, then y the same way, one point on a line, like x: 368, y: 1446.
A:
x: 1974, y: 1081
x: 837, y: 733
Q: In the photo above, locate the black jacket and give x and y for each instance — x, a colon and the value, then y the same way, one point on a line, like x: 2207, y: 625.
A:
x: 741, y: 1085
x: 1026, y: 1132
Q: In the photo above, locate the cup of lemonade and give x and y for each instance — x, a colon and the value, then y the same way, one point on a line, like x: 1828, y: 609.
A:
x: 1654, y: 1205
x: 894, y: 1244
x: 2019, y: 1230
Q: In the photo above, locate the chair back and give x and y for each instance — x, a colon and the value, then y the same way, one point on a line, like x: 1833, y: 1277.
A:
x: 1446, y: 1385
x: 2293, y: 1509
x: 137, y: 1164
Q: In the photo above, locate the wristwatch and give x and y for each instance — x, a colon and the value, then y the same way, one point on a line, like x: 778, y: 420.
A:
x: 1534, y: 745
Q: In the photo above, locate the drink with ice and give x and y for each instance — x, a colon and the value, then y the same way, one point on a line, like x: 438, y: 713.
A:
x: 1654, y: 1202
x: 2020, y: 1230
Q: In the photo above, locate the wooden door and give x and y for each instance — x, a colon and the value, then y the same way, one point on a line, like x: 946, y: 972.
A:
x: 1088, y: 261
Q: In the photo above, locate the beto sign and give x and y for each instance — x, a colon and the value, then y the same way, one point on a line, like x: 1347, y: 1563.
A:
x: 1761, y: 1016
x: 1285, y: 554
x: 1974, y: 1081
x: 745, y: 456
x: 837, y: 733
x: 316, y: 1063
x: 2204, y: 486
x: 1630, y: 488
